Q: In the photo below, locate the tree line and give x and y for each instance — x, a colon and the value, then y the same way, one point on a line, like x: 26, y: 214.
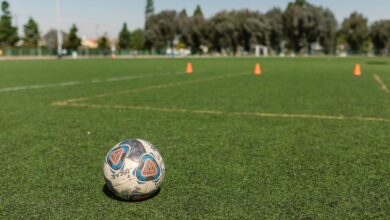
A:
x: 301, y: 28
x: 296, y: 29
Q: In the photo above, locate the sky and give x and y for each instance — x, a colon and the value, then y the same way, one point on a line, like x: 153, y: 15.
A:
x: 96, y: 17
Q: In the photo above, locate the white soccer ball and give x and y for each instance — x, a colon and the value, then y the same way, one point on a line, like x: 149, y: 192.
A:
x: 134, y: 169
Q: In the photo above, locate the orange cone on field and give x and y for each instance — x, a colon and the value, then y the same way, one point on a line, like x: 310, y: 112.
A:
x: 257, y: 70
x: 358, y: 70
x: 189, y: 69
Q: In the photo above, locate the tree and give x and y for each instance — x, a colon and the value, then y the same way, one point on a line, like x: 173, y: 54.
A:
x: 301, y: 21
x: 198, y: 32
x: 150, y: 32
x: 138, y: 39
x: 8, y: 33
x: 235, y: 30
x: 252, y: 28
x: 153, y: 39
x: 149, y: 10
x: 327, y: 29
x: 184, y: 28
x: 124, y: 38
x: 50, y: 39
x: 380, y: 35
x: 223, y: 35
x: 191, y: 29
x: 31, y: 34
x: 275, y: 22
x: 306, y: 24
x: 73, y: 42
x: 183, y: 13
x: 103, y: 42
x: 355, y: 31
x: 162, y: 30
x: 301, y: 2
x: 198, y: 11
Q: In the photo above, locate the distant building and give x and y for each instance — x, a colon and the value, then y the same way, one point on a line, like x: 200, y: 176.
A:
x: 89, y: 43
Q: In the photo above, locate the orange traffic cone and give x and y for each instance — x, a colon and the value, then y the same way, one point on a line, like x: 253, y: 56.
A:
x: 189, y: 69
x: 257, y: 70
x: 358, y: 70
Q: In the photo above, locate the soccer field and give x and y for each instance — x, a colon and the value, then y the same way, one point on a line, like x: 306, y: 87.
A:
x: 306, y: 139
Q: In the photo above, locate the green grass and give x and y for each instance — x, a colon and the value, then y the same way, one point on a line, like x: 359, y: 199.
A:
x: 219, y: 166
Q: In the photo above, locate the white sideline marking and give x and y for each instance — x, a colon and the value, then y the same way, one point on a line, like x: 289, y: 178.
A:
x: 134, y: 77
x: 72, y: 83
x: 381, y: 83
x: 77, y: 103
x: 18, y: 88
x: 216, y: 112
x: 161, y: 86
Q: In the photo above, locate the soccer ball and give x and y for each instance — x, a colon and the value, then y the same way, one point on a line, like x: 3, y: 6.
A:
x: 134, y: 169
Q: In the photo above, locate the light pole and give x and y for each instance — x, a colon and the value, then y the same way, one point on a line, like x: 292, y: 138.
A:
x: 59, y: 35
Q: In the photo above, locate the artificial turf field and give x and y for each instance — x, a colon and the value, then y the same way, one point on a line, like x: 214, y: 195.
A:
x: 304, y: 140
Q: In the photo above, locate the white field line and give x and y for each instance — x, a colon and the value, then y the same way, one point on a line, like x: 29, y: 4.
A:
x: 149, y: 88
x: 77, y: 103
x: 72, y: 83
x: 39, y: 86
x: 134, y: 77
x: 216, y: 112
x: 381, y: 84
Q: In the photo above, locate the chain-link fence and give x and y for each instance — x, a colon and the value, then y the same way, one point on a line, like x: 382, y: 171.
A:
x: 40, y: 52
x: 81, y: 52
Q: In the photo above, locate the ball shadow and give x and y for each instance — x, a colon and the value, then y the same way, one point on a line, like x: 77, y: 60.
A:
x: 111, y: 195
